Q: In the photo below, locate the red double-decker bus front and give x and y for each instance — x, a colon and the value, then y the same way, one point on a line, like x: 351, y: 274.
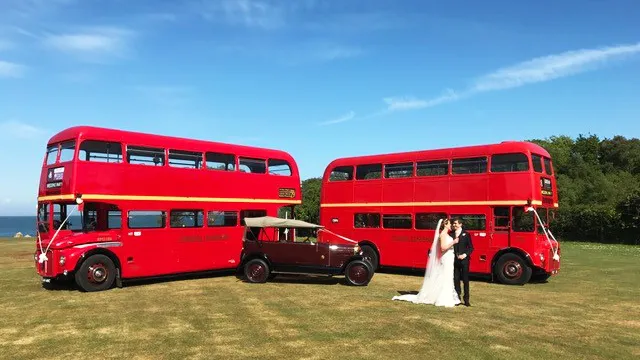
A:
x: 505, y: 194
x: 117, y: 204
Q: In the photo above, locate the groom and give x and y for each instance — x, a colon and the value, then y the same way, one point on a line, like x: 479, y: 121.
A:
x: 462, y: 251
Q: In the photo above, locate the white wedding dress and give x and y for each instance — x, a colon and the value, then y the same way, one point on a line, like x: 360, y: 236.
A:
x: 438, y: 287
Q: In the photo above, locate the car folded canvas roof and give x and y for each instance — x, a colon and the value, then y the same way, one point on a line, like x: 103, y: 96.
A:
x: 270, y: 221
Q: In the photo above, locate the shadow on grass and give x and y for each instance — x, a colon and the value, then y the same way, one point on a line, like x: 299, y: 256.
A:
x: 420, y: 273
x: 176, y: 278
x: 300, y: 279
x: 70, y: 285
x: 308, y: 280
x: 402, y: 292
x: 60, y: 285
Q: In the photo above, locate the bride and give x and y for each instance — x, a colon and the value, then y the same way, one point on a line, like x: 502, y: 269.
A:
x: 438, y: 287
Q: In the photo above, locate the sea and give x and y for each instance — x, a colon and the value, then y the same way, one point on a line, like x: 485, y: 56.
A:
x: 10, y: 225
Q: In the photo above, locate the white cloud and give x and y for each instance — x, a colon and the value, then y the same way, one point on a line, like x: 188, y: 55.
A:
x: 21, y: 31
x: 249, y: 13
x: 30, y: 9
x: 336, y: 52
x: 165, y: 94
x: 161, y: 17
x: 5, y: 45
x: 263, y: 14
x: 20, y: 130
x: 537, y: 70
x: 412, y: 103
x: 346, y: 117
x: 92, y: 44
x: 294, y: 54
x: 553, y: 67
x: 11, y: 69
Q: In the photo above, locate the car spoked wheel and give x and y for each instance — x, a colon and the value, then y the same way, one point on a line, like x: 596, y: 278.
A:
x: 96, y: 273
x: 256, y: 271
x: 358, y: 273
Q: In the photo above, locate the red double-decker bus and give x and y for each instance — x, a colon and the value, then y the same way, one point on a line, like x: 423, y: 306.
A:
x: 391, y: 204
x: 151, y: 205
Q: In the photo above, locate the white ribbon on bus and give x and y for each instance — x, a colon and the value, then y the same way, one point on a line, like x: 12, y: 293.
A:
x: 43, y: 253
x: 547, y: 232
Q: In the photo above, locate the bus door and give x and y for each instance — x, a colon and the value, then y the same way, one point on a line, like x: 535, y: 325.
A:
x: 149, y: 251
x: 500, y: 233
x: 522, y: 228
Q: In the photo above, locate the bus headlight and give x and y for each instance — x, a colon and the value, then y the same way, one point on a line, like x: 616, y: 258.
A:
x: 62, y: 260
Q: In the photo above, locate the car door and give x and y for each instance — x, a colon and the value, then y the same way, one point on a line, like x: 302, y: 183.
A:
x: 304, y: 253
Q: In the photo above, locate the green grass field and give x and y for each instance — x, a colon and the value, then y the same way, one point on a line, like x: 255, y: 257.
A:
x: 591, y: 310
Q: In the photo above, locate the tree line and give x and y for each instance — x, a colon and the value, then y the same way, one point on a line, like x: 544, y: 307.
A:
x: 598, y: 189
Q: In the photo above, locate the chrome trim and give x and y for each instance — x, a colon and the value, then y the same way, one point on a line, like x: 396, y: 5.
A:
x: 99, y: 244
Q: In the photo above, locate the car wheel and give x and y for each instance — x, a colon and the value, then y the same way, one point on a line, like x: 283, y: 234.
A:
x: 96, y: 273
x: 371, y: 255
x: 256, y: 271
x: 512, y: 269
x: 358, y: 273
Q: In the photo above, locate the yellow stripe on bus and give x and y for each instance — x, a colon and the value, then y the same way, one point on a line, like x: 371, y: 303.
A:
x: 166, y: 198
x: 437, y: 203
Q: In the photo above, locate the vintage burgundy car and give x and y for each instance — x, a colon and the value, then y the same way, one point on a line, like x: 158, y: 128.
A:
x: 270, y: 248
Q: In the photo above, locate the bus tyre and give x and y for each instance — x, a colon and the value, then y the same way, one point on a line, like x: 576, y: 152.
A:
x: 370, y: 255
x: 358, y: 273
x: 96, y: 273
x: 512, y: 269
x: 256, y: 271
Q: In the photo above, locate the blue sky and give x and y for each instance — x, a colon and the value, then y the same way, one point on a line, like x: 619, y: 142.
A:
x: 319, y: 79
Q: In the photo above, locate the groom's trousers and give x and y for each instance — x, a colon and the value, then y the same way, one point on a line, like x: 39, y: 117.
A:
x: 461, y: 272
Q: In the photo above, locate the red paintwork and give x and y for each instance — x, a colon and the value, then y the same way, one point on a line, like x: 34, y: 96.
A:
x: 159, y: 251
x: 408, y: 247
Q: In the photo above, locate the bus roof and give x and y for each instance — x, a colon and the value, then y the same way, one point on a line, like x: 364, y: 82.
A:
x: 435, y: 154
x: 140, y: 138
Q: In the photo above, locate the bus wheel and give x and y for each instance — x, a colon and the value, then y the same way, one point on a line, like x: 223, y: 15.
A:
x: 256, y: 271
x: 511, y: 269
x: 97, y: 273
x: 358, y: 273
x: 370, y: 254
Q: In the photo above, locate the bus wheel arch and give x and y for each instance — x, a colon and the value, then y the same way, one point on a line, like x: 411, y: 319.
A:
x: 97, y: 271
x: 512, y: 267
x: 370, y: 252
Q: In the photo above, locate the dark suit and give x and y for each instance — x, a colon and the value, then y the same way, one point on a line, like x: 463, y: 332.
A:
x: 461, y: 267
